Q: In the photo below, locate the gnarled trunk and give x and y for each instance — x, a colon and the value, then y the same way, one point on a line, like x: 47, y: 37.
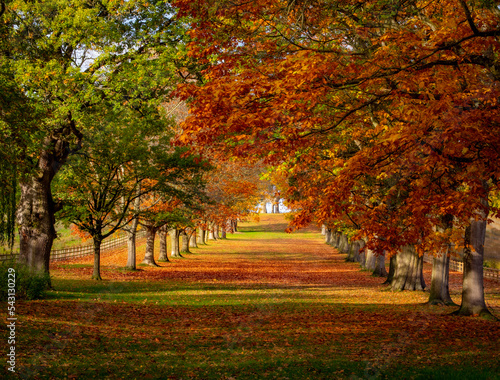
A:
x: 409, y: 270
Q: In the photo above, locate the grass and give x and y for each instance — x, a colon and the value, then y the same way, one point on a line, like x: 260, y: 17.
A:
x: 260, y: 305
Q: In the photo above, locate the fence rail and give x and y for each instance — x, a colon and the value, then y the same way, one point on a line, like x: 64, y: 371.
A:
x: 78, y: 251
x: 458, y: 266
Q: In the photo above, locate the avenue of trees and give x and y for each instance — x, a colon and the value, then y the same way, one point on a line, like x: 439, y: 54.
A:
x: 88, y: 128
x: 378, y: 120
x: 381, y: 118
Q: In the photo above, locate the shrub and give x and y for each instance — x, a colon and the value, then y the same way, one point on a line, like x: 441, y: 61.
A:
x: 30, y: 285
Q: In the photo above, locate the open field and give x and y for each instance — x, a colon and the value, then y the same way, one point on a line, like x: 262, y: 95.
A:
x: 262, y: 304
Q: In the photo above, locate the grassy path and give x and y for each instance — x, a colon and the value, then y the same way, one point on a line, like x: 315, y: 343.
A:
x: 262, y: 304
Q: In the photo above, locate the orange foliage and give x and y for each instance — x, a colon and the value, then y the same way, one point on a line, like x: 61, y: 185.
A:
x: 384, y: 116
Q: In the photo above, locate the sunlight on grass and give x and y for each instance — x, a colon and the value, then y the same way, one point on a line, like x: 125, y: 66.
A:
x: 261, y: 304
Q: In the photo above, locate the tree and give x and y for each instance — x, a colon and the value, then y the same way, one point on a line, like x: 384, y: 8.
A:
x: 127, y: 156
x: 64, y: 60
x: 397, y: 99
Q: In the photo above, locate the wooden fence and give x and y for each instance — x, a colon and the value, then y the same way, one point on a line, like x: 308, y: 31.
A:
x: 458, y: 266
x: 79, y: 251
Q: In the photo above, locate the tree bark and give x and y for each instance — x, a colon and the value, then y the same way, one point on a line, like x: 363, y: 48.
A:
x: 174, y: 243
x: 35, y: 216
x: 439, y: 291
x: 392, y: 269
x: 131, y: 250
x: 336, y: 239
x: 370, y: 260
x: 149, y: 257
x: 201, y: 236
x: 353, y: 254
x: 211, y: 233
x: 36, y: 210
x: 344, y: 246
x: 162, y: 235
x: 185, y: 242
x: 328, y: 236
x: 96, y: 274
x: 473, y: 302
x: 408, y: 274
x: 380, y: 270
x: 192, y: 239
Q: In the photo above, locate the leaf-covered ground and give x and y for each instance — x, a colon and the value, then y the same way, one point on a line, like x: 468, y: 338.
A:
x: 260, y: 305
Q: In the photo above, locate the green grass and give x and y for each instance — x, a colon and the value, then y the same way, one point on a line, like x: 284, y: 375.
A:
x: 191, y: 319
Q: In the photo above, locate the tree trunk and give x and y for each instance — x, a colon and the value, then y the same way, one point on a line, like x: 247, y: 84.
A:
x: 439, y: 292
x: 192, y: 239
x: 408, y: 274
x: 131, y: 231
x: 211, y: 233
x: 201, y: 236
x: 380, y: 270
x: 336, y: 239
x: 149, y: 257
x: 370, y: 259
x: 35, y: 217
x: 223, y: 233
x: 361, y: 253
x: 131, y: 246
x: 174, y: 243
x: 328, y: 236
x: 472, y: 284
x: 392, y: 269
x: 185, y: 242
x: 162, y: 235
x: 344, y: 244
x: 36, y: 210
x: 131, y: 250
x: 96, y: 275
x: 353, y: 255
x: 234, y: 225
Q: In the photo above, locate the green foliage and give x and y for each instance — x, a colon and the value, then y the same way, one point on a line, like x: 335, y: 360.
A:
x: 30, y: 285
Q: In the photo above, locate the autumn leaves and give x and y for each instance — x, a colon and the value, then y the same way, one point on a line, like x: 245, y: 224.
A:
x: 381, y: 118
